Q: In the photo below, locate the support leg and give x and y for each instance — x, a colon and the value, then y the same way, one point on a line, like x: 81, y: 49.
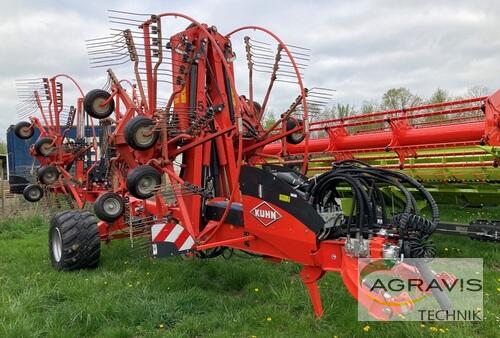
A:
x: 310, y: 275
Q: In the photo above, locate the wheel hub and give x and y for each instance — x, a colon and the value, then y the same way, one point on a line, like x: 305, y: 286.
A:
x: 46, y: 149
x: 25, y: 131
x: 98, y: 107
x: 144, y: 135
x: 49, y: 177
x: 112, y: 206
x: 146, y: 185
x: 56, y: 244
x: 34, y: 193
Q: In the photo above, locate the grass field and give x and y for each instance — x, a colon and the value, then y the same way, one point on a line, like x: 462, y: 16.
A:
x: 130, y: 295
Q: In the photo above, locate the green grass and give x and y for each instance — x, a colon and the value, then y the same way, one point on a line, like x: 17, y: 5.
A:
x: 131, y: 295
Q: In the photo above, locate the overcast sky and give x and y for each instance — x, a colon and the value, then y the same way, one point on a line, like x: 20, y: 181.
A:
x: 359, y: 48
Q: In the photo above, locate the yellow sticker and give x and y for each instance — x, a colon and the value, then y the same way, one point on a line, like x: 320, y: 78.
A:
x: 181, y: 97
x: 284, y: 198
x: 184, y: 95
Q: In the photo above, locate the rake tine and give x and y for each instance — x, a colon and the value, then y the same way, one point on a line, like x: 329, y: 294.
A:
x: 127, y: 19
x: 298, y: 47
x: 128, y: 13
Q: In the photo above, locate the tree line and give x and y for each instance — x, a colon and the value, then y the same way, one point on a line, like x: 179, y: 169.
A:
x: 392, y: 99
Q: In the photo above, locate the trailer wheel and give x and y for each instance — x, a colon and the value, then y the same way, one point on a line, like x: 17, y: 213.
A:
x: 297, y: 137
x: 24, y: 130
x: 33, y: 193
x: 74, y: 241
x: 109, y: 206
x: 143, y: 181
x: 92, y: 103
x: 140, y: 133
x: 48, y: 174
x: 44, y: 147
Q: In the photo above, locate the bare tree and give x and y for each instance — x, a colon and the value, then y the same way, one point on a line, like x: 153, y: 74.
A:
x: 399, y: 98
x: 477, y: 91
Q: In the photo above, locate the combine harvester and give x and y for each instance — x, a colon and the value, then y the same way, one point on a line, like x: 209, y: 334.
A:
x: 451, y: 147
x: 190, y: 162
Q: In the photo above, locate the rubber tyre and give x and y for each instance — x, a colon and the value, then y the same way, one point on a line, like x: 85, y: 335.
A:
x: 102, y: 206
x: 132, y: 130
x: 24, y: 130
x: 135, y: 181
x: 80, y: 245
x: 48, y: 174
x: 294, y: 138
x: 91, y: 103
x: 33, y: 193
x: 41, y: 147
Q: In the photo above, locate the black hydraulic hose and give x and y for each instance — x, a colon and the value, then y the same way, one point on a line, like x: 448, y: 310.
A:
x: 351, y: 161
x: 427, y: 195
x: 368, y: 200
x: 410, y: 200
x: 193, y: 77
x: 381, y: 202
x: 360, y: 196
x: 227, y: 86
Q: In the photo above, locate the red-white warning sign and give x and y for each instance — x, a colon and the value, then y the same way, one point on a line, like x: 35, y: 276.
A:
x: 173, y: 233
x: 265, y: 213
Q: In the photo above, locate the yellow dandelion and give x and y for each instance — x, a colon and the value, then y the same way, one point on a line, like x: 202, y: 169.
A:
x: 253, y: 336
x: 498, y: 289
x: 433, y: 329
x: 162, y: 326
x: 129, y: 285
x: 366, y: 328
x: 269, y: 319
x: 256, y: 289
x: 147, y: 273
x: 422, y: 325
x: 498, y: 280
x: 335, y: 337
x: 441, y: 330
x: 105, y: 283
x: 445, y: 249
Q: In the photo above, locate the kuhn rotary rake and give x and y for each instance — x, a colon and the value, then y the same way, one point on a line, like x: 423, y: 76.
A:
x: 82, y: 168
x: 65, y: 162
x: 188, y: 161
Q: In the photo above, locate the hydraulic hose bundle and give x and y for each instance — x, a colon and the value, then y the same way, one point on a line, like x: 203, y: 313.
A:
x: 369, y: 213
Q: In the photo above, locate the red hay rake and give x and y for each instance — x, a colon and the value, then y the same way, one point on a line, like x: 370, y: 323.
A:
x: 187, y: 158
x: 65, y: 162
